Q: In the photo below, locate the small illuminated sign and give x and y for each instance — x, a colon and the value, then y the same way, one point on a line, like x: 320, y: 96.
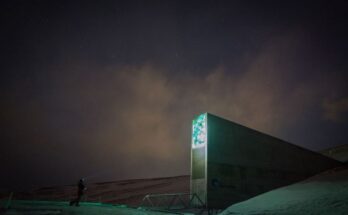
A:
x: 199, y: 131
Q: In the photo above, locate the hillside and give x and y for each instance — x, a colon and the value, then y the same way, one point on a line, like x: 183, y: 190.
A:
x: 129, y: 192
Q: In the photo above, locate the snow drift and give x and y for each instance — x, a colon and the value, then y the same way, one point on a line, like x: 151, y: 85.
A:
x: 325, y: 193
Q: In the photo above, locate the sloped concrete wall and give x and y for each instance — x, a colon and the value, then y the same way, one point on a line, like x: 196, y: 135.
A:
x: 242, y: 162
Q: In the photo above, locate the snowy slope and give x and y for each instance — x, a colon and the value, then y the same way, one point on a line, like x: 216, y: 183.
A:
x: 339, y: 153
x: 326, y: 193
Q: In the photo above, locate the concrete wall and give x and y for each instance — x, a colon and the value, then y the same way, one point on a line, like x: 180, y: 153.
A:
x: 242, y: 162
x: 198, y: 180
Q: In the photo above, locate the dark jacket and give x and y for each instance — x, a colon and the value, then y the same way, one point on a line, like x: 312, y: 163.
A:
x: 81, y: 187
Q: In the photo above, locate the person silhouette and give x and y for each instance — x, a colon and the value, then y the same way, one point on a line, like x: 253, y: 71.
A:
x: 81, y: 187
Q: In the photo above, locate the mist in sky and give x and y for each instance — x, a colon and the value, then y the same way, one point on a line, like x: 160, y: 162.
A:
x: 108, y: 89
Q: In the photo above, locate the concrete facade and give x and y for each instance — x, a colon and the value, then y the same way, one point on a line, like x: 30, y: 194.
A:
x: 231, y: 163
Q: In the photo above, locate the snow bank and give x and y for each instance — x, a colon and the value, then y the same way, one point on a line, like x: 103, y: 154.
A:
x: 326, y: 193
x: 339, y: 153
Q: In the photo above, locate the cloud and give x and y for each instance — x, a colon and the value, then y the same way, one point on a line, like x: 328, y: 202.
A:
x: 144, y: 112
x: 151, y: 112
x: 135, y: 121
x: 335, y: 110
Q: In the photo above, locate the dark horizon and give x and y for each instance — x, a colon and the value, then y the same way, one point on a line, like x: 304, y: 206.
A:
x: 108, y: 89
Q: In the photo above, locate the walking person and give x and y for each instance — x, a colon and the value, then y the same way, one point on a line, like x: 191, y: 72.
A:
x: 81, y: 187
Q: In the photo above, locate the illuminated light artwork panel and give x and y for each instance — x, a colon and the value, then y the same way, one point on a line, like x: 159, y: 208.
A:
x: 199, y: 131
x: 199, y: 158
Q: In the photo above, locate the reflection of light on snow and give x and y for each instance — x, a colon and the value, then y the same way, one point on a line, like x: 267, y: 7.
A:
x: 199, y: 131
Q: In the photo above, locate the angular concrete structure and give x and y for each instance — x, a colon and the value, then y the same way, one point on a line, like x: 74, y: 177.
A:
x: 231, y: 163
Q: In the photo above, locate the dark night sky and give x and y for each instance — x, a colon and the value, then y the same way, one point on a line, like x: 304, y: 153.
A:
x: 108, y: 89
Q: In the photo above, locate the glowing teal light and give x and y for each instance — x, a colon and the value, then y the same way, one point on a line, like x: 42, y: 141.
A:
x: 199, y: 131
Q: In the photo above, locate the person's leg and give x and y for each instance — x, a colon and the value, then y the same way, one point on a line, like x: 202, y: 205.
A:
x: 78, y: 200
x: 72, y: 202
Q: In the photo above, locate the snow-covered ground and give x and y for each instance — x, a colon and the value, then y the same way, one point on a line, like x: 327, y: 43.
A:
x: 325, y: 193
x: 25, y: 207
x: 116, y: 197
x: 339, y: 153
x: 129, y: 192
